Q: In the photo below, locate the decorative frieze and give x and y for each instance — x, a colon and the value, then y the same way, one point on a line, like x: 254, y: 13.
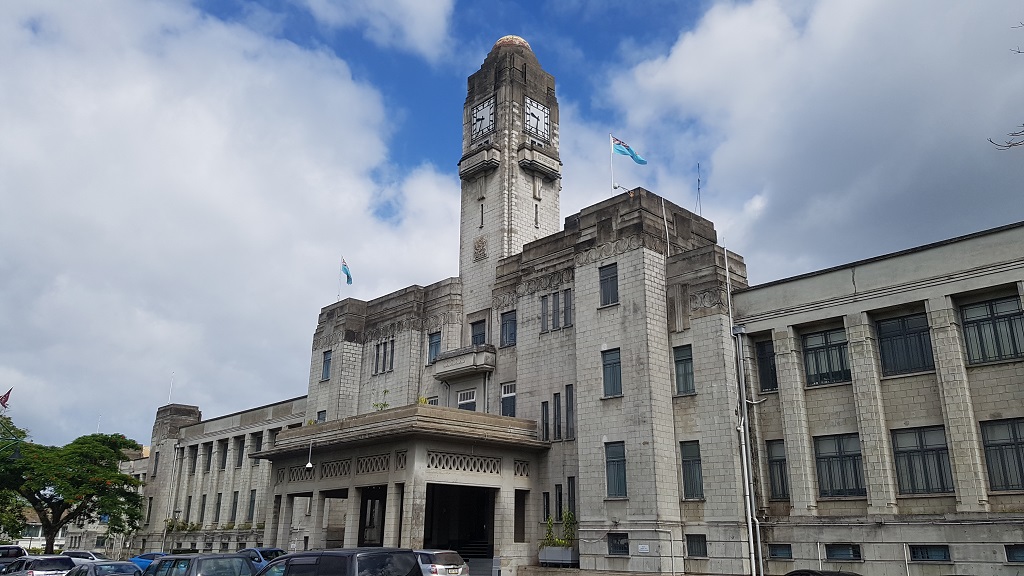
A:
x: 542, y: 283
x: 400, y: 458
x: 373, y: 464
x: 522, y: 468
x: 463, y: 462
x: 336, y: 468
x: 430, y: 323
x: 711, y: 298
x: 301, y: 473
x: 620, y: 246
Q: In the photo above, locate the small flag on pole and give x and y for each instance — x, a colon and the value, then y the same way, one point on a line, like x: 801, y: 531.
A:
x: 346, y: 271
x: 621, y: 147
x: 6, y: 398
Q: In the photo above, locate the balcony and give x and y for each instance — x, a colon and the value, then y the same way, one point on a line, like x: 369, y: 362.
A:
x: 466, y: 361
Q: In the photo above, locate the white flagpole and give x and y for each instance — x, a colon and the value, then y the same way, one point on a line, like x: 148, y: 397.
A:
x: 611, y: 163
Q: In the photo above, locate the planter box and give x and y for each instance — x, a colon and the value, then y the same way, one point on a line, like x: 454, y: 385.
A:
x: 559, y: 556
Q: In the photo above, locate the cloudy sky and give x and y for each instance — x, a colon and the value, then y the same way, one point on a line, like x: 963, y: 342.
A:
x: 179, y: 180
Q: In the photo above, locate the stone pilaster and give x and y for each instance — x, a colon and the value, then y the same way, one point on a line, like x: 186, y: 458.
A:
x: 957, y: 407
x: 799, y: 452
x: 875, y: 447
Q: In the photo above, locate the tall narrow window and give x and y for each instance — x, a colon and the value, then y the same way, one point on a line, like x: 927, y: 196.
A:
x: 202, y: 508
x: 905, y: 345
x: 543, y: 313
x: 481, y: 214
x: 778, y: 476
x: 839, y: 464
x: 683, y: 356
x: 555, y: 319
x: 544, y: 423
x: 546, y: 504
x: 478, y: 331
x: 615, y: 468
x: 207, y: 456
x: 467, y: 400
x: 766, y: 374
x: 519, y: 519
x: 536, y: 215
x: 156, y: 464
x: 558, y: 502
x: 188, y: 509
x: 1004, y: 453
x: 609, y: 280
x: 384, y: 356
x: 222, y: 449
x: 325, y: 370
x: 216, y: 507
x: 693, y: 474
x: 149, y: 509
x: 825, y: 357
x: 570, y: 485
x: 570, y: 412
x: 508, y: 328
x: 433, y: 346
x: 239, y: 451
x: 556, y: 403
x: 193, y: 458
x: 508, y: 399
x: 391, y: 362
x: 567, y: 307
x: 612, y: 372
x: 234, y: 506
x: 922, y: 460
x: 994, y: 330
x: 376, y: 358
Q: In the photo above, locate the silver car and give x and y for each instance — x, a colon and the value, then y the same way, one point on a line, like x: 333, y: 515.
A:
x: 40, y: 566
x: 442, y: 563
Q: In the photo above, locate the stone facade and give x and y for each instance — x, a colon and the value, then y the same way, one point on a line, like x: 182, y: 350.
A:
x: 552, y: 375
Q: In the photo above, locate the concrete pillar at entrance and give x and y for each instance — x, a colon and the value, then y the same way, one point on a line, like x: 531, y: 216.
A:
x: 392, y: 521
x: 355, y: 497
x: 270, y: 530
x: 284, y: 530
x: 317, y: 539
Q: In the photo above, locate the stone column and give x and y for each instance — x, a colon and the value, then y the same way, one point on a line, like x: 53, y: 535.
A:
x: 957, y: 407
x: 392, y: 521
x: 355, y: 499
x: 284, y: 529
x: 875, y: 447
x: 799, y: 452
x: 317, y: 538
x: 271, y: 528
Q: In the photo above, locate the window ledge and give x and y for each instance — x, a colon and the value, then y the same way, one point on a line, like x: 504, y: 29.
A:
x: 617, y: 499
x: 322, y: 380
x: 839, y: 498
x: 993, y: 362
x: 930, y: 562
x: 829, y: 385
x: 927, y: 495
x: 845, y: 560
x: 606, y: 306
x: 906, y: 374
x: 775, y: 391
x: 684, y: 394
x: 613, y: 397
x: 698, y: 500
x: 512, y: 345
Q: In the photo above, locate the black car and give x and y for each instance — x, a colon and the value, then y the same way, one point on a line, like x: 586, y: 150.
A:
x: 204, y: 564
x: 345, y: 562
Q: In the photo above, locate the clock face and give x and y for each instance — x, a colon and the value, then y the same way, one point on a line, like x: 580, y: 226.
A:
x: 536, y: 118
x: 482, y: 119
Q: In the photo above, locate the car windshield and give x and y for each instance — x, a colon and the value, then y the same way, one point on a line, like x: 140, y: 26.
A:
x: 446, y: 558
x: 118, y: 568
x: 64, y: 563
x: 271, y: 554
x: 223, y: 567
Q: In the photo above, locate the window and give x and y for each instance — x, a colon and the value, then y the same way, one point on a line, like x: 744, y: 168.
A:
x: 208, y: 456
x: 216, y: 508
x: 693, y: 476
x: 570, y: 412
x: 697, y: 545
x: 922, y: 460
x: 508, y: 328
x: 618, y: 544
x: 558, y: 502
x: 467, y: 400
x: 149, y: 509
x: 780, y: 551
x: 840, y: 470
x: 257, y: 442
x: 567, y: 307
x: 609, y: 277
x: 929, y: 553
x: 612, y: 373
x: 519, y: 520
x: 478, y: 330
x: 325, y: 371
x: 544, y: 423
x: 546, y: 504
x: 842, y: 551
x: 1004, y: 453
x: 508, y: 399
x: 556, y: 321
x: 1014, y: 552
x: 570, y: 484
x: 193, y: 459
x: 778, y: 477
x: 384, y: 356
x: 433, y: 346
x: 202, y: 508
x: 825, y: 357
x: 905, y: 345
x: 156, y: 464
x: 433, y: 401
x: 684, y: 369
x: 766, y: 374
x: 994, y: 330
x: 234, y: 506
x: 556, y: 403
x: 615, y: 468
x: 222, y: 450
x: 251, y: 513
x: 321, y: 416
x: 543, y: 313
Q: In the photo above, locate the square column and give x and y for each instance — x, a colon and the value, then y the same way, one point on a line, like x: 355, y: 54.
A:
x: 876, y: 449
x: 799, y: 452
x: 317, y: 538
x: 354, y: 503
x: 957, y: 407
x: 284, y: 525
x: 392, y: 520
x: 270, y: 529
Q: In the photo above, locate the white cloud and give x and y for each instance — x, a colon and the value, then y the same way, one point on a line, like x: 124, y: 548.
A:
x: 420, y: 26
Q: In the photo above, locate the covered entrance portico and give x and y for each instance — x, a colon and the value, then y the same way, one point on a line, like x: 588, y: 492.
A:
x: 416, y: 477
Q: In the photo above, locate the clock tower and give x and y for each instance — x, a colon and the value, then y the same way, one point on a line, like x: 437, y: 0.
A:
x: 510, y: 169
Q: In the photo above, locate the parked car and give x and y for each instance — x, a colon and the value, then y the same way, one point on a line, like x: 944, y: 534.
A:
x: 105, y: 568
x: 144, y: 560
x: 439, y: 562
x: 40, y: 566
x: 82, y: 556
x: 9, y: 554
x: 811, y: 572
x: 345, y: 561
x: 260, y: 556
x: 201, y: 564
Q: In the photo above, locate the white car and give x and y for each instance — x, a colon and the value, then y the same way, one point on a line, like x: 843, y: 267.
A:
x: 40, y: 566
x: 81, y: 556
x: 442, y: 563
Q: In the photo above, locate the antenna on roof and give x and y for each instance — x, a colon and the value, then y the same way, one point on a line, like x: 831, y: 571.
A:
x: 697, y: 207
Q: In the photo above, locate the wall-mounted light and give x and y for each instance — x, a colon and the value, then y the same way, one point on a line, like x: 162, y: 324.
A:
x: 309, y: 459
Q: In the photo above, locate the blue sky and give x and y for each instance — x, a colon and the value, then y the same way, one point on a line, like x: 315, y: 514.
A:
x: 178, y: 181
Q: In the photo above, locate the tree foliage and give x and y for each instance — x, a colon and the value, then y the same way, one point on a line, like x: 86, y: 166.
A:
x: 76, y: 484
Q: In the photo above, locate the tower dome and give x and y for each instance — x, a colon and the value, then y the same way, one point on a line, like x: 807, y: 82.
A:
x: 512, y: 40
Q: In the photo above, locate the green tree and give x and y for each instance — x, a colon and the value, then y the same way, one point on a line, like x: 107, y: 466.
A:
x: 76, y: 484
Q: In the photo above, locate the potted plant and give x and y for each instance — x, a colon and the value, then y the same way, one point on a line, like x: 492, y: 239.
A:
x: 555, y: 551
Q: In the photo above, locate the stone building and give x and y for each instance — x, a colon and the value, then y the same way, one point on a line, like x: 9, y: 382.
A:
x: 592, y: 369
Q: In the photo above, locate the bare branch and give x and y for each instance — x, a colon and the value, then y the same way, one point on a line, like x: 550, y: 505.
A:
x: 1015, y: 139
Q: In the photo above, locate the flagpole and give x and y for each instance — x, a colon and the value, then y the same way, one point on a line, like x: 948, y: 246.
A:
x: 339, y: 276
x: 611, y: 163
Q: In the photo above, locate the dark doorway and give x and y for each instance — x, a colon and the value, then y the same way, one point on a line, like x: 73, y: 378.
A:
x: 371, y: 515
x: 460, y: 518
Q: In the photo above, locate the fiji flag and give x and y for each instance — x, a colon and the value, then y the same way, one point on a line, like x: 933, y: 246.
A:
x: 621, y: 147
x: 346, y: 271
